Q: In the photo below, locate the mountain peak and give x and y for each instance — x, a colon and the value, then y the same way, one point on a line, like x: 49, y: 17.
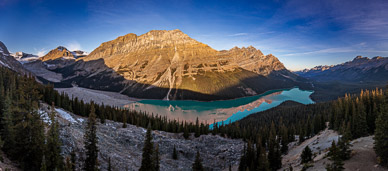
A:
x: 61, y: 48
x: 359, y: 57
x: 56, y: 53
x: 3, y: 49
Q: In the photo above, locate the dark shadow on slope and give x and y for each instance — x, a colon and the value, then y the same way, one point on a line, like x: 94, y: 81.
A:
x: 96, y: 75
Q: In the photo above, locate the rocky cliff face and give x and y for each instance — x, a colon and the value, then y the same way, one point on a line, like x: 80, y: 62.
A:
x: 360, y: 69
x: 147, y: 57
x: 6, y: 60
x: 169, y: 65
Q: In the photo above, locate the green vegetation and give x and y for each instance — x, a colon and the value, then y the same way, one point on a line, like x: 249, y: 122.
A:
x: 267, y: 133
x: 91, y: 141
x: 306, y: 155
x: 197, y: 165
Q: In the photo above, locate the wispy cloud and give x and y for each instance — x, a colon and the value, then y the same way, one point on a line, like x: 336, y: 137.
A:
x: 239, y: 34
x: 40, y: 52
x: 74, y: 45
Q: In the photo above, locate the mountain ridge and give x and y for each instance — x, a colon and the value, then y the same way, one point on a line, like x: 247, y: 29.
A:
x: 168, y: 64
x: 356, y: 70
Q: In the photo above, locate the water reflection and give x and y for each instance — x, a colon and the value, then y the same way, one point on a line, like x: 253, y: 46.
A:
x: 225, y: 110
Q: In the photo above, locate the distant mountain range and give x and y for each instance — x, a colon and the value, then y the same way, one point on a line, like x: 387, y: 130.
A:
x: 360, y: 69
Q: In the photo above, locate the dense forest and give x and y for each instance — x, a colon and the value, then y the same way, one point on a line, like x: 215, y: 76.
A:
x: 35, y: 145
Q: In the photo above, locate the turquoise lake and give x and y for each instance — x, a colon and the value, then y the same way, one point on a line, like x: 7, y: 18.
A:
x: 224, y: 110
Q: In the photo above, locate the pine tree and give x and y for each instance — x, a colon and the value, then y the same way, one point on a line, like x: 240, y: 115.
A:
x: 53, y: 146
x: 186, y: 132
x: 73, y: 160
x: 29, y: 147
x: 68, y: 164
x: 306, y: 155
x: 7, y: 131
x: 43, y: 167
x: 334, y: 156
x: 174, y: 154
x: 274, y: 155
x: 91, y: 141
x: 284, y: 140
x: 109, y: 165
x: 146, y: 162
x: 344, y: 149
x: 263, y: 164
x: 381, y: 134
x: 124, y: 120
x: 197, y: 165
x: 156, y: 158
x: 197, y: 130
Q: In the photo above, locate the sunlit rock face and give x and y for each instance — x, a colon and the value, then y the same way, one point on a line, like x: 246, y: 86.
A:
x: 186, y: 69
x: 59, y: 52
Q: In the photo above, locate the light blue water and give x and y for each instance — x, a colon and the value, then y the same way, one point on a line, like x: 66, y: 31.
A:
x: 224, y: 110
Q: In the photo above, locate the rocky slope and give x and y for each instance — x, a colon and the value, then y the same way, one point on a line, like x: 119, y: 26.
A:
x: 6, y: 60
x: 170, y: 65
x: 360, y: 69
x: 124, y: 145
x: 363, y: 157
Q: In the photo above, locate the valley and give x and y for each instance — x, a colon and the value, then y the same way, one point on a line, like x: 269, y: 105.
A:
x: 239, y: 110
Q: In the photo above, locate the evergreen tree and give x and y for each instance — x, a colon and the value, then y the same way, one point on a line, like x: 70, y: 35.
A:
x: 43, y: 166
x: 53, y: 146
x: 73, y: 160
x: 306, y: 155
x: 381, y: 135
x: 109, y: 165
x: 263, y: 164
x: 156, y: 158
x: 174, y: 154
x: 29, y: 140
x: 186, y: 132
x: 124, y: 120
x: 335, y: 157
x: 197, y: 130
x: 91, y: 141
x: 146, y: 162
x: 274, y: 155
x: 7, y: 131
x: 344, y: 149
x: 197, y: 165
x: 68, y: 164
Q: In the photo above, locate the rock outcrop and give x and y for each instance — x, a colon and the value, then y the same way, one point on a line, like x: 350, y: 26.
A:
x: 124, y: 145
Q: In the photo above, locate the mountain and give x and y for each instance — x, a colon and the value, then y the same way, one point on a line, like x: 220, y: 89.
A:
x: 164, y: 64
x: 360, y: 69
x: 59, y: 52
x: 6, y: 60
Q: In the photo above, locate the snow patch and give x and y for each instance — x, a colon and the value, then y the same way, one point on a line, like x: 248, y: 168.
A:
x: 65, y: 115
x: 4, y: 64
x: 44, y: 115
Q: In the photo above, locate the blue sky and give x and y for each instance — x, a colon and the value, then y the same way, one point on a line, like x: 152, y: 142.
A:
x: 301, y: 33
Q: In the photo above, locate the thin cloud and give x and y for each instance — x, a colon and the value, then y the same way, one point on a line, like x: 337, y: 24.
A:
x: 40, y: 52
x: 72, y: 46
x: 238, y: 34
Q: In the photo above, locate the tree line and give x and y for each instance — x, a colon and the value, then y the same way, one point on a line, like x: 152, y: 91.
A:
x: 24, y: 139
